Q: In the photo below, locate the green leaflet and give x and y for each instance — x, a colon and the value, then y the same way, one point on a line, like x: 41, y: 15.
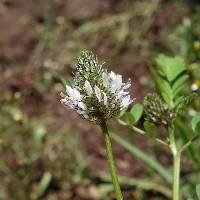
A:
x: 136, y: 112
x: 170, y: 67
x: 179, y: 84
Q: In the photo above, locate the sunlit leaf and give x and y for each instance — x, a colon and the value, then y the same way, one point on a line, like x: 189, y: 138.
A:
x: 171, y: 67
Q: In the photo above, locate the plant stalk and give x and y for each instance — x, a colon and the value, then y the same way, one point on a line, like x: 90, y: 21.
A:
x: 176, y: 163
x: 176, y: 176
x: 111, y: 161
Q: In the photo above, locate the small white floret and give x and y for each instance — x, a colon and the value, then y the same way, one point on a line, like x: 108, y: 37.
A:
x: 69, y: 90
x: 116, y: 83
x: 67, y: 103
x: 126, y: 101
x: 105, y: 99
x: 112, y: 75
x: 88, y: 88
x: 97, y: 92
x: 127, y: 86
x: 105, y: 80
x: 82, y: 106
x: 76, y: 94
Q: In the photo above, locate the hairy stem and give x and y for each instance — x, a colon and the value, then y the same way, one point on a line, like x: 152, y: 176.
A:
x: 111, y: 161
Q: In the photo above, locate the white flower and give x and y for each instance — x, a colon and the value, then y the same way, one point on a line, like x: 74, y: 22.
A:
x: 116, y: 83
x: 67, y: 103
x: 127, y: 86
x: 74, y: 94
x: 82, y: 106
x: 73, y: 100
x: 97, y: 92
x: 88, y: 88
x: 105, y: 99
x: 69, y: 90
x: 105, y: 79
x: 126, y: 101
x: 112, y: 75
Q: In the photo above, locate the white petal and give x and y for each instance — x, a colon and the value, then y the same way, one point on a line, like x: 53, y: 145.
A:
x: 97, y: 92
x: 126, y: 101
x: 127, y: 86
x: 105, y: 80
x: 73, y: 93
x: 112, y: 75
x: 69, y: 90
x: 116, y: 83
x: 82, y: 106
x: 88, y: 88
x: 76, y: 94
x: 105, y: 99
x: 121, y: 93
x: 67, y: 103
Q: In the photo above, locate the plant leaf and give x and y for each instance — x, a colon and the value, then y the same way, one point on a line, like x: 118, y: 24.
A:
x: 196, y: 123
x: 171, y: 67
x: 183, y: 102
x: 150, y: 128
x: 129, y: 118
x: 179, y: 84
x: 163, y: 86
x: 136, y: 112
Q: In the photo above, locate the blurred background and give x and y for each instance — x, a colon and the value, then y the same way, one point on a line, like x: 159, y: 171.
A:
x: 48, y: 152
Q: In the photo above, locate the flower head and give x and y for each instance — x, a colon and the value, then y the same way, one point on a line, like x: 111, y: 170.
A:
x: 157, y: 111
x: 96, y: 94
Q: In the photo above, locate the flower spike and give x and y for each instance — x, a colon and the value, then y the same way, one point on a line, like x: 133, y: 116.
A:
x: 96, y: 94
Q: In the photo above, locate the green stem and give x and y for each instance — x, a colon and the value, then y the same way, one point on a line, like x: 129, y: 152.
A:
x: 111, y: 161
x: 176, y: 175
x: 176, y: 163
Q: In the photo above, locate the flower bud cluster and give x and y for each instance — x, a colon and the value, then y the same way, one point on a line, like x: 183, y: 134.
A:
x: 157, y: 111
